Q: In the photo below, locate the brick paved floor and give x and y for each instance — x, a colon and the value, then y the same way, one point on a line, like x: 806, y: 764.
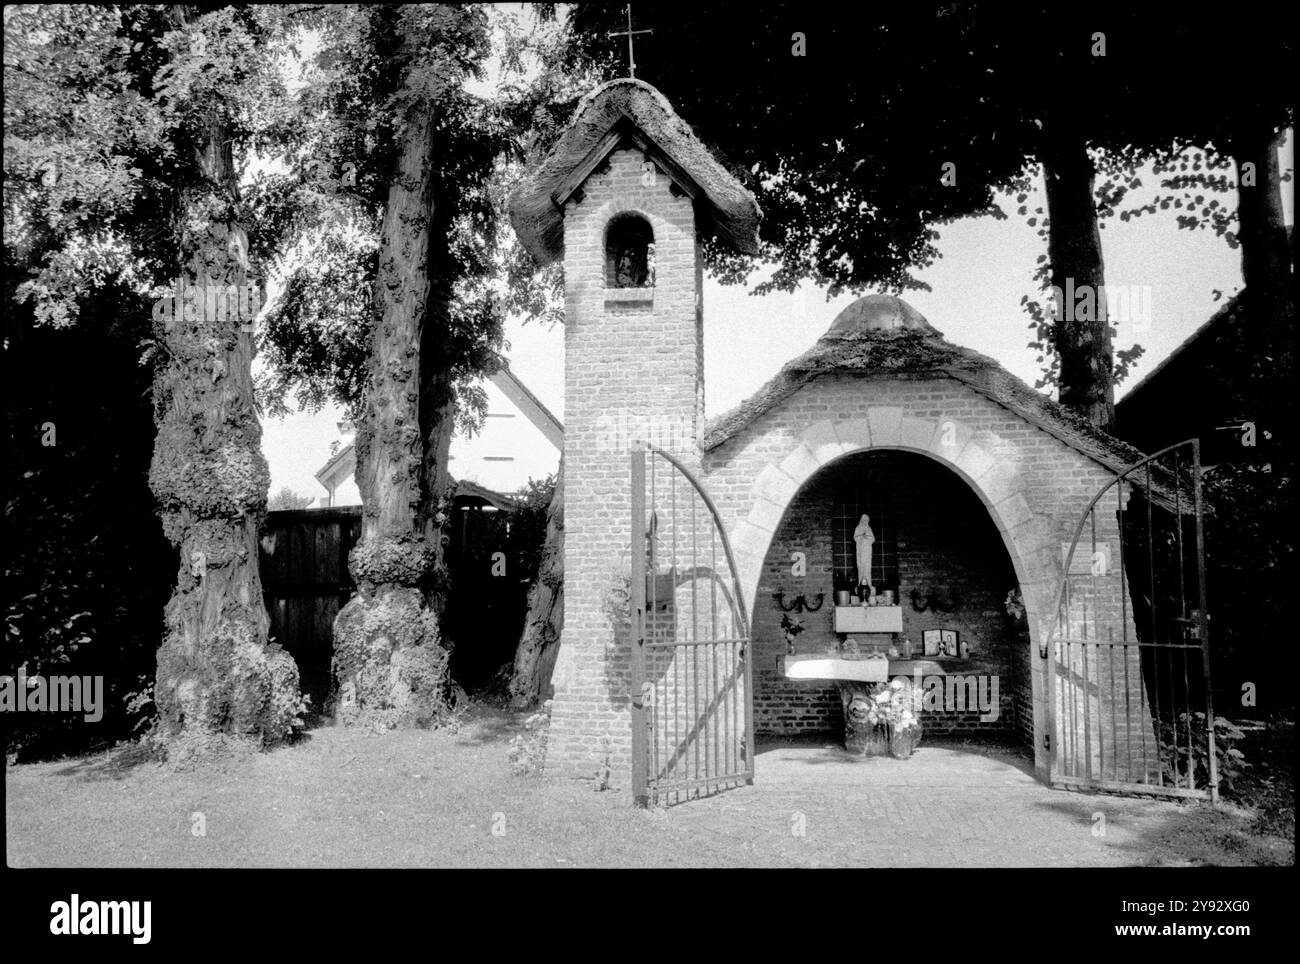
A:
x: 944, y: 807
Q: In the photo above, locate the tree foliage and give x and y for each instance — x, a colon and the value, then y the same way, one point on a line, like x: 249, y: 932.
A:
x: 86, y: 568
x: 286, y: 498
x: 861, y: 138
x: 323, y: 210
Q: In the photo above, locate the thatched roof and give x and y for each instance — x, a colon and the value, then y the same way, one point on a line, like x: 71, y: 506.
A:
x: 884, y: 337
x: 622, y: 112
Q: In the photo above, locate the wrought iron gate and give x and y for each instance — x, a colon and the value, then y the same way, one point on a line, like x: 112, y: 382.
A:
x: 692, y: 693
x: 1128, y: 662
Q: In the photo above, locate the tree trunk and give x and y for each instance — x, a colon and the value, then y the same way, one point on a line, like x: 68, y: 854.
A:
x: 437, y: 489
x: 1265, y: 251
x: 389, y: 665
x: 1266, y: 345
x: 437, y: 421
x: 1083, y: 341
x: 216, y: 674
x: 540, y: 642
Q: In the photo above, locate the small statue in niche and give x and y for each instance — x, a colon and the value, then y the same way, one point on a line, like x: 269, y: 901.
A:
x: 865, y: 540
x: 631, y: 267
x: 629, y: 252
x: 626, y: 275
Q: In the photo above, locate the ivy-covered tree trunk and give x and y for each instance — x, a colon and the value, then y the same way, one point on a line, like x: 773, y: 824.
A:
x: 216, y: 673
x: 437, y: 421
x: 1082, y: 326
x: 540, y: 642
x: 389, y: 665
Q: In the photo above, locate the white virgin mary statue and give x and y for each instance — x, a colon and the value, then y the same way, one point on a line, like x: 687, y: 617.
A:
x: 865, y: 540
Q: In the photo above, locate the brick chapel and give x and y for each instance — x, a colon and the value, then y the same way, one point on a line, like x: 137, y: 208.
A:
x: 972, y: 480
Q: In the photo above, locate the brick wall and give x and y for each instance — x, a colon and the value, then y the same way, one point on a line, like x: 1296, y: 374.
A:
x: 632, y: 369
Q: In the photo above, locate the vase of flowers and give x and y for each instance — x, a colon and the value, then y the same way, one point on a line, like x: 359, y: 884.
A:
x: 791, y: 628
x: 893, y: 708
x: 904, y: 738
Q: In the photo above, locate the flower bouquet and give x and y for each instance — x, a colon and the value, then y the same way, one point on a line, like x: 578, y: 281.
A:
x: 893, y: 706
x: 791, y: 628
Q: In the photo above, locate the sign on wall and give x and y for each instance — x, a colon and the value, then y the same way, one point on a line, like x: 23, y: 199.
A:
x: 1088, y: 560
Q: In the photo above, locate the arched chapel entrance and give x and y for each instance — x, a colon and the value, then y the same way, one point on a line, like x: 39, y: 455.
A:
x: 944, y: 564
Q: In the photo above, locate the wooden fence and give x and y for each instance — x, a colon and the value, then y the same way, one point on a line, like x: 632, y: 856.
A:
x: 305, y: 582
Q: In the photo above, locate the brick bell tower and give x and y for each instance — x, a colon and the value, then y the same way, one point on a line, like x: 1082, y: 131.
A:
x: 624, y: 198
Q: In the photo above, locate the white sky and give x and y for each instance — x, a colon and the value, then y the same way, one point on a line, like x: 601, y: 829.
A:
x: 985, y: 269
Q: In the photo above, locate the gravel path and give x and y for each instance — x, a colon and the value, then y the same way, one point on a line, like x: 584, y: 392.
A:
x: 347, y: 799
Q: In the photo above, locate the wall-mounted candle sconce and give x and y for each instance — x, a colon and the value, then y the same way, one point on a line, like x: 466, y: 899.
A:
x: 799, y: 604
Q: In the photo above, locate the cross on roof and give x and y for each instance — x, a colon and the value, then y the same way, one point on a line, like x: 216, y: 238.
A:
x: 629, y: 33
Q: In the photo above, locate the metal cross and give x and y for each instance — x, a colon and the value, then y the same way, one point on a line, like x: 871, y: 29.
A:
x: 629, y: 33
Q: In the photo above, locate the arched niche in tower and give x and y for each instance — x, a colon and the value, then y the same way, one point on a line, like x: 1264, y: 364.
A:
x: 629, y: 252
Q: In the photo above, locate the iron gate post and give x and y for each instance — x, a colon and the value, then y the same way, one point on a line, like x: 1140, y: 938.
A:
x: 1203, y: 622
x: 636, y: 625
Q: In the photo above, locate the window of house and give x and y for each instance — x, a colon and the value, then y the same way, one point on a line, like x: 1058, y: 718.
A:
x: 867, y: 493
x: 629, y: 253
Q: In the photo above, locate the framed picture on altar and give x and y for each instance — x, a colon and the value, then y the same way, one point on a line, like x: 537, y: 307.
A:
x: 931, y: 642
x: 950, y: 643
